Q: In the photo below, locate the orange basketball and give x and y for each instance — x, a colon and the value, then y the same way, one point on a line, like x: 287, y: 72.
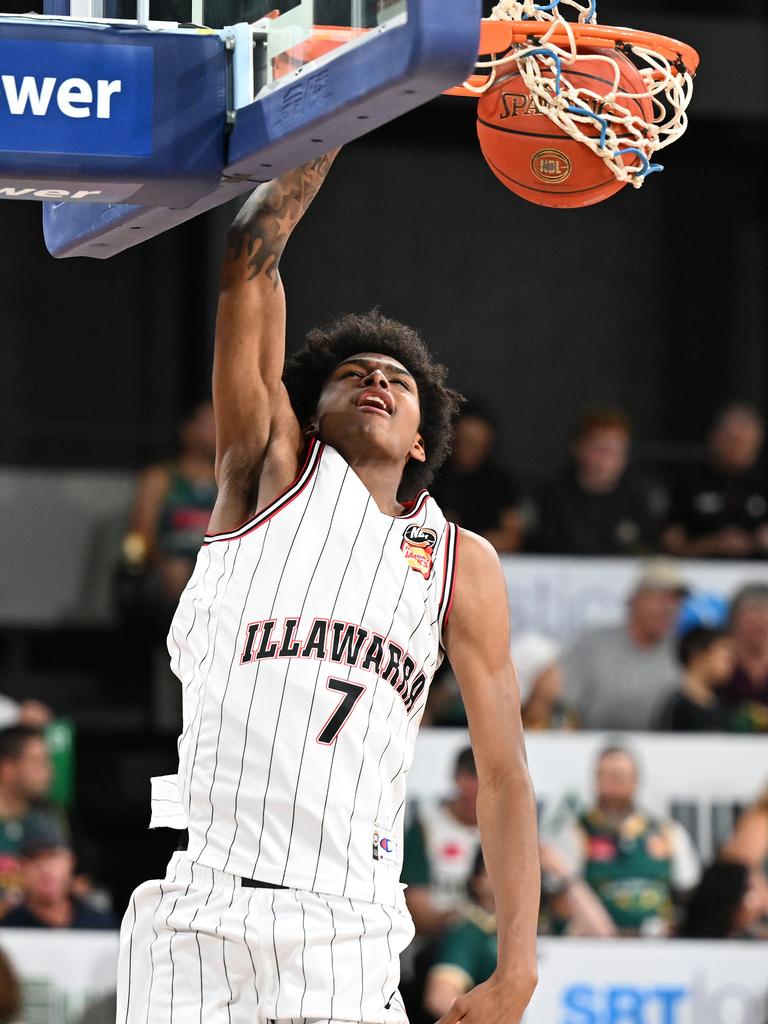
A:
x: 533, y: 157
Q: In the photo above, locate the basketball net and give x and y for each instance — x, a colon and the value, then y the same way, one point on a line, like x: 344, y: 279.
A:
x: 544, y: 68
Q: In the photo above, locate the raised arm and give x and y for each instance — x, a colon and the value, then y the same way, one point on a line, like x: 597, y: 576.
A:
x: 258, y: 440
x: 477, y: 643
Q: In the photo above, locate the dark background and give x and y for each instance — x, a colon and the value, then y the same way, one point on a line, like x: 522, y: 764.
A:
x: 654, y: 300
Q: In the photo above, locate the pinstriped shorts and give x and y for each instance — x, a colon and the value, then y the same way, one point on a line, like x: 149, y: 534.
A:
x: 199, y: 948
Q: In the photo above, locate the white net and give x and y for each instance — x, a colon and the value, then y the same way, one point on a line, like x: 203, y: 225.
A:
x: 625, y: 129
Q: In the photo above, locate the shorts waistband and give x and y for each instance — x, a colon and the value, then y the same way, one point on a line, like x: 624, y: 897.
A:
x: 246, y: 883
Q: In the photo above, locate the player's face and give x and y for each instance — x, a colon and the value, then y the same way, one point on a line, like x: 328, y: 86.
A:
x: 373, y: 400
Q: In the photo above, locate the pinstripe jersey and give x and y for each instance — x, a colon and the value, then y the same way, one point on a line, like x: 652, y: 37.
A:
x: 305, y: 642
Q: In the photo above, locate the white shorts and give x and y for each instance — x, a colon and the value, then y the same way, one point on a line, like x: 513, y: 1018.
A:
x: 201, y: 948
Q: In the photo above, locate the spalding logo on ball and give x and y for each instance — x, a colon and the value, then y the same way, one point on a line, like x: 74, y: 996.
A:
x: 533, y: 156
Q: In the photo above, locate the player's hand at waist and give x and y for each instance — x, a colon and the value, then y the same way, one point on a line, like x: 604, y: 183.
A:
x: 500, y: 1000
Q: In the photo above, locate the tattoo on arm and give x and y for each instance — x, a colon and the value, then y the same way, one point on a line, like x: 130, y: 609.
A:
x: 267, y: 219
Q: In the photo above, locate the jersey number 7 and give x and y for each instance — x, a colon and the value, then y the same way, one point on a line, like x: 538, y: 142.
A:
x: 352, y: 693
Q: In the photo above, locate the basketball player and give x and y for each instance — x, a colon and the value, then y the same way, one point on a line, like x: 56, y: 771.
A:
x: 321, y: 602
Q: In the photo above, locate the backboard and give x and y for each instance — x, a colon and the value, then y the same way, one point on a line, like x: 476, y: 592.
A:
x: 234, y: 92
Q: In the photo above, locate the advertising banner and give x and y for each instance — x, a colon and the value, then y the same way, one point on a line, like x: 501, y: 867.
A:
x: 650, y: 982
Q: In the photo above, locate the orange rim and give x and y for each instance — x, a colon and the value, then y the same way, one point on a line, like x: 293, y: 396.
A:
x: 498, y: 36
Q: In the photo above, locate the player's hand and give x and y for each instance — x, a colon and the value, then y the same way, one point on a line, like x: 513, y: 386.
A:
x: 497, y: 1001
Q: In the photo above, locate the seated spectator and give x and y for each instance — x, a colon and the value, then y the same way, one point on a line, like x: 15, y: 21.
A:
x: 730, y: 902
x: 10, y: 992
x: 568, y: 905
x: 720, y: 509
x: 746, y: 692
x: 28, y: 712
x: 619, y: 676
x: 635, y: 863
x: 707, y: 659
x: 439, y: 850
x: 25, y: 776
x: 598, y: 505
x: 749, y: 842
x: 475, y: 492
x: 173, y: 505
x: 467, y: 952
x: 540, y: 676
x: 47, y: 868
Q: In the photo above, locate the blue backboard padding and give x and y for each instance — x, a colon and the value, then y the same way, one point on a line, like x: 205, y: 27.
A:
x: 354, y: 93
x: 166, y: 125
x: 436, y: 48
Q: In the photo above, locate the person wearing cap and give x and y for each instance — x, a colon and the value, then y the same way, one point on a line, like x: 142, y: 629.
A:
x: 619, y: 677
x: 48, y: 901
x: 540, y: 675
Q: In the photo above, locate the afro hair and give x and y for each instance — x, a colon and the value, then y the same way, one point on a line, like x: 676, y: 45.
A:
x: 307, y: 371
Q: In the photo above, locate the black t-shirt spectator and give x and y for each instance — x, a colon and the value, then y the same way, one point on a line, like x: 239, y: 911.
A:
x: 706, y: 500
x: 475, y: 500
x: 682, y: 714
x: 573, y: 521
x: 84, y: 917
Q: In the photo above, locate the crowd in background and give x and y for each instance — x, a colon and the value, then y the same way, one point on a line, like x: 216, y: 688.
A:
x: 675, y: 663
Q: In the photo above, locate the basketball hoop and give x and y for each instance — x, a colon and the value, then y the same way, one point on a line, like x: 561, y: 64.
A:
x: 544, y: 49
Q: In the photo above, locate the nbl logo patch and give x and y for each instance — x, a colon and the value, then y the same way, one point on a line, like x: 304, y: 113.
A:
x: 418, y: 547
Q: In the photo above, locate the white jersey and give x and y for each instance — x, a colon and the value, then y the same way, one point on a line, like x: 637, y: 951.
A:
x: 306, y: 641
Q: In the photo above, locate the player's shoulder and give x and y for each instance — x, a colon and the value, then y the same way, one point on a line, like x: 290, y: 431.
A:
x: 479, y: 576
x: 476, y: 552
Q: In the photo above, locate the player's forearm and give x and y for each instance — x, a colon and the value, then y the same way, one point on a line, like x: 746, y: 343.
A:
x: 506, y: 813
x: 264, y: 224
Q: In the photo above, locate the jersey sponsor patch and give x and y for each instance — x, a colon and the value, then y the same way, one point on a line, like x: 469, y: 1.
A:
x: 418, y: 547
x: 384, y: 845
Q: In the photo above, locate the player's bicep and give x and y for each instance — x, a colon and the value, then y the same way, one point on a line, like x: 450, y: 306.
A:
x: 477, y: 644
x: 248, y: 395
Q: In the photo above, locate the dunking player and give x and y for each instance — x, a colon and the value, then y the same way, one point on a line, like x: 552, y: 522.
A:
x: 321, y: 602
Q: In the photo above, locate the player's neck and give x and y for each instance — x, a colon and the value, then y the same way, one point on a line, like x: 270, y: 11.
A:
x: 382, y: 480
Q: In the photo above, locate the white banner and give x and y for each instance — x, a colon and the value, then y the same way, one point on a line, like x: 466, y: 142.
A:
x: 650, y: 982
x: 564, y: 596
x: 67, y: 977
x: 700, y: 780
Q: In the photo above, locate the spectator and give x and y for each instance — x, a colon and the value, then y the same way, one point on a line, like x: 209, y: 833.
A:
x: 569, y: 905
x: 618, y: 676
x: 720, y: 509
x: 171, y: 511
x: 440, y: 846
x: 540, y: 675
x: 467, y: 953
x: 28, y: 712
x: 749, y: 843
x: 10, y: 992
x: 472, y: 489
x: 707, y: 659
x: 47, y: 867
x: 728, y: 903
x: 747, y: 689
x: 25, y: 776
x: 599, y: 506
x: 634, y: 862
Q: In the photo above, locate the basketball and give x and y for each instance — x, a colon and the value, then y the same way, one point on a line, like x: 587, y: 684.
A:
x: 533, y: 156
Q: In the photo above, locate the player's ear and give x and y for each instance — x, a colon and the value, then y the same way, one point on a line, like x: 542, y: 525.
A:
x: 310, y: 427
x: 417, y: 450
